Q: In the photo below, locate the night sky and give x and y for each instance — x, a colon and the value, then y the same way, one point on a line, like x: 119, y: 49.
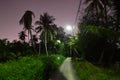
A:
x: 12, y: 10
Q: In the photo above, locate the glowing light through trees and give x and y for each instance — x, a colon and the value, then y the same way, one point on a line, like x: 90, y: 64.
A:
x: 69, y: 28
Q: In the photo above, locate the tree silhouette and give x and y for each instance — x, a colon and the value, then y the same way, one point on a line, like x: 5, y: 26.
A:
x: 35, y: 39
x: 116, y: 4
x: 26, y: 21
x: 94, y: 7
x: 45, y: 24
x: 98, y: 10
x: 22, y: 36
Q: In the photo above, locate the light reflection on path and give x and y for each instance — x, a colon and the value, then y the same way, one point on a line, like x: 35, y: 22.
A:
x: 65, y: 72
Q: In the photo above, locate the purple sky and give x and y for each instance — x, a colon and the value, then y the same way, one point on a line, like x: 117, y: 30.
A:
x: 12, y: 10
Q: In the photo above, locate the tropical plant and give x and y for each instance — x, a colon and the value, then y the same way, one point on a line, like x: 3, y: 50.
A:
x: 72, y: 44
x: 3, y: 45
x: 45, y: 28
x: 95, y: 43
x: 94, y: 7
x: 106, y: 8
x: 97, y: 12
x: 61, y: 34
x: 35, y: 39
x: 116, y: 4
x: 26, y: 21
x: 22, y: 36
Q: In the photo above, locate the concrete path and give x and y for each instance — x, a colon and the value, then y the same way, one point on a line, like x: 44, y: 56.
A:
x: 65, y: 72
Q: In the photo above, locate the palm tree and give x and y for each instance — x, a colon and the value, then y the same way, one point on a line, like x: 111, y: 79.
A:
x: 106, y: 7
x: 26, y: 21
x: 116, y: 4
x: 94, y: 7
x: 45, y: 24
x: 99, y: 10
x: 22, y: 36
x: 3, y: 41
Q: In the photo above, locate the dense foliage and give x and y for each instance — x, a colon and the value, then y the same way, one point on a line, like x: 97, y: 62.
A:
x: 30, y: 68
x: 97, y: 41
x: 88, y: 71
x: 98, y: 37
x: 98, y: 44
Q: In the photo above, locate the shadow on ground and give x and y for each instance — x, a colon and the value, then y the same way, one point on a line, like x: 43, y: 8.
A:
x: 57, y: 75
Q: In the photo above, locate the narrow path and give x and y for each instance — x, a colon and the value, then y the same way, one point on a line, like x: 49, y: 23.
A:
x: 65, y: 72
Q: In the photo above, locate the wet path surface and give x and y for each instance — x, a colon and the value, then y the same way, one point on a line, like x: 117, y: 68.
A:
x: 65, y: 72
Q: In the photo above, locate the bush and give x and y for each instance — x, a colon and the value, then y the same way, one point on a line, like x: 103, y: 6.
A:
x: 88, y: 71
x: 98, y: 44
x: 23, y: 69
x: 29, y: 68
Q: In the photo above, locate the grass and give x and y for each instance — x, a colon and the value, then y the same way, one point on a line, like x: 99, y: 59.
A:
x: 30, y: 68
x: 88, y: 71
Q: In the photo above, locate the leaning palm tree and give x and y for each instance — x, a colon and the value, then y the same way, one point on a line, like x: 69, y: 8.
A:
x: 45, y: 24
x: 26, y: 21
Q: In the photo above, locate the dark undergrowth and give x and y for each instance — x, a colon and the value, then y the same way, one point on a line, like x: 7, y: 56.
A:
x: 30, y: 67
x: 88, y: 71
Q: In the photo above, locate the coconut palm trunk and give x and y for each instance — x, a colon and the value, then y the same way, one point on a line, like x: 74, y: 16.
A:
x: 28, y: 36
x: 26, y: 21
x: 101, y: 57
x: 32, y: 42
x: 39, y: 48
x: 46, y: 43
x: 105, y: 16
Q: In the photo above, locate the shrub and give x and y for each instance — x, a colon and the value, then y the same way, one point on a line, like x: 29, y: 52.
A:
x: 88, y: 71
x: 29, y: 68
x: 98, y: 44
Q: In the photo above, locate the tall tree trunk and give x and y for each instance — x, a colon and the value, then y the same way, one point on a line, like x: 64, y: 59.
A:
x: 28, y: 37
x: 97, y: 15
x: 101, y: 57
x: 46, y: 43
x: 117, y: 23
x: 39, y: 48
x: 105, y: 14
x: 33, y: 44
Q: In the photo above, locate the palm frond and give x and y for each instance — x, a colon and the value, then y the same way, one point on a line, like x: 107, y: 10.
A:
x: 38, y: 29
x: 90, y: 7
x: 21, y: 21
x: 87, y: 1
x: 51, y: 35
x: 37, y: 23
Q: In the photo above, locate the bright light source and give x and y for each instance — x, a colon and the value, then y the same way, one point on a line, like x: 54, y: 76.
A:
x: 69, y: 27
